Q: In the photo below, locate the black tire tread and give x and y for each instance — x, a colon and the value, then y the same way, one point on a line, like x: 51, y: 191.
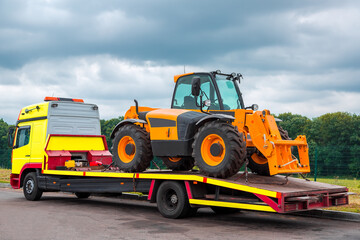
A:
x: 236, y: 150
x: 37, y: 193
x: 182, y: 211
x: 143, y: 154
x: 185, y: 164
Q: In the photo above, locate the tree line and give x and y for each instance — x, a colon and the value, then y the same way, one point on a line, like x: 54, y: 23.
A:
x: 333, y: 138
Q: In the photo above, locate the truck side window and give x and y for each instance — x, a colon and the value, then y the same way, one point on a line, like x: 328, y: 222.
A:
x: 23, y: 136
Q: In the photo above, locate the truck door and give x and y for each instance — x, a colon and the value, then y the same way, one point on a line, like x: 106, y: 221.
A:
x: 22, y: 148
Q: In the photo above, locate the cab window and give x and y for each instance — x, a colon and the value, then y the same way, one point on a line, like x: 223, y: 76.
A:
x: 23, y: 136
x: 183, y: 98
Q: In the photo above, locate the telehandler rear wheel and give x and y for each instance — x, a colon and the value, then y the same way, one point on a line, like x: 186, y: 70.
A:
x: 132, y: 149
x: 219, y: 149
x: 178, y: 163
x: 258, y: 163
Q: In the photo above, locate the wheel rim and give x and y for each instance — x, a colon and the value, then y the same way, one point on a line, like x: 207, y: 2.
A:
x: 171, y: 200
x: 29, y: 186
x: 206, y: 146
x: 258, y: 159
x: 175, y: 159
x: 125, y: 157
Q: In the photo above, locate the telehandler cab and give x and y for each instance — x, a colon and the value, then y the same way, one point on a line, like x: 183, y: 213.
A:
x: 208, y: 125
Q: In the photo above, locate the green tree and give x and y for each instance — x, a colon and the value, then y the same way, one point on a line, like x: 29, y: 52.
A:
x: 107, y: 126
x: 295, y: 124
x: 5, y: 151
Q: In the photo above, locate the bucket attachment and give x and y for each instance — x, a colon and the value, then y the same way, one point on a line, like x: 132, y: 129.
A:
x: 277, y: 152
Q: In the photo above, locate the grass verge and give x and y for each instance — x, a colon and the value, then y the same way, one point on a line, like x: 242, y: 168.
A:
x: 5, y: 175
x: 353, y: 185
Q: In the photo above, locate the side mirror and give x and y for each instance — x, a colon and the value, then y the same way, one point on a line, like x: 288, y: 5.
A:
x: 11, y: 137
x: 195, y: 86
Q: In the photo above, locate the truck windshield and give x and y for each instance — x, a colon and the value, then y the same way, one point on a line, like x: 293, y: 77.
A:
x: 228, y: 92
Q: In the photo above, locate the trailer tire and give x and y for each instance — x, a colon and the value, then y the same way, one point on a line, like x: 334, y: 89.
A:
x: 258, y: 163
x: 132, y: 149
x: 82, y: 195
x: 219, y: 149
x: 224, y: 210
x: 31, y: 187
x: 178, y: 163
x: 172, y: 200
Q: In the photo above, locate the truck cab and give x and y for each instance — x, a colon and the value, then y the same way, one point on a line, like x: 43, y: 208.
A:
x: 56, y: 134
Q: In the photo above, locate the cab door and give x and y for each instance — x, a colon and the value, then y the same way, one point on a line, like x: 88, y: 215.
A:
x: 22, y: 148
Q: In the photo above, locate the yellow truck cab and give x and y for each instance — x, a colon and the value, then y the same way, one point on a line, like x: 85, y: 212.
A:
x: 67, y: 131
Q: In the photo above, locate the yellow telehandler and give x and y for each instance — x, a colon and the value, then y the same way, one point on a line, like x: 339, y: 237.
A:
x: 208, y: 126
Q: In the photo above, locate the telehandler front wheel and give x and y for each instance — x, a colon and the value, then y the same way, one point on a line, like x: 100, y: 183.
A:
x: 132, y: 149
x: 178, y: 163
x: 219, y: 149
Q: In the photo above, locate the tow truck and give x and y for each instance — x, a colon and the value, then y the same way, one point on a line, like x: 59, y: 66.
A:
x: 57, y: 146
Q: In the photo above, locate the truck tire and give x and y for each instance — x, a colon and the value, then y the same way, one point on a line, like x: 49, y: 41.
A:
x: 178, y: 163
x: 132, y: 148
x: 31, y: 187
x: 258, y: 163
x: 224, y: 210
x: 219, y: 149
x: 82, y: 195
x: 172, y: 200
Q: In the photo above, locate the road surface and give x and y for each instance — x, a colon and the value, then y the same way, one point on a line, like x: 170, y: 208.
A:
x: 63, y: 216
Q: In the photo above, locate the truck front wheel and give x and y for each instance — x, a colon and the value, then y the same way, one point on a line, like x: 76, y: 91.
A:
x: 31, y: 187
x: 172, y: 200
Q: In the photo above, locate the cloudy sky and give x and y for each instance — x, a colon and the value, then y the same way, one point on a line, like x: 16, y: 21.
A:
x: 296, y: 56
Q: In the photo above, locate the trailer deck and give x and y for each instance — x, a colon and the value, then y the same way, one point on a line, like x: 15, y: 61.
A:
x: 270, y: 194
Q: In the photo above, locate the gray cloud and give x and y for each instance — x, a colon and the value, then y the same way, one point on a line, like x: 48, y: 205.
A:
x: 302, y: 53
x: 175, y: 32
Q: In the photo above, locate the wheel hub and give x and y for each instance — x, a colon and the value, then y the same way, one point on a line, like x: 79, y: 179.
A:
x: 174, y: 199
x: 29, y: 186
x: 130, y: 149
x: 216, y: 149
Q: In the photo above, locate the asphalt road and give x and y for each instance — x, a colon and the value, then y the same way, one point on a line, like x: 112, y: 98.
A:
x: 63, y: 216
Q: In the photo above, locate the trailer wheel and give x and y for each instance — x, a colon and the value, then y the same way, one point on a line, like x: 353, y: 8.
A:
x: 82, y: 195
x: 132, y: 149
x: 224, y: 210
x: 172, y: 200
x: 31, y: 187
x: 219, y: 149
x: 178, y: 163
x: 258, y: 163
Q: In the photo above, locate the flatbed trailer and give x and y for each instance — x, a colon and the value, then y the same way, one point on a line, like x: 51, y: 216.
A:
x: 57, y: 146
x: 270, y: 194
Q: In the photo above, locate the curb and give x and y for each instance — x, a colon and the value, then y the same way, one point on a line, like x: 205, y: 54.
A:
x: 5, y: 185
x: 329, y: 214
